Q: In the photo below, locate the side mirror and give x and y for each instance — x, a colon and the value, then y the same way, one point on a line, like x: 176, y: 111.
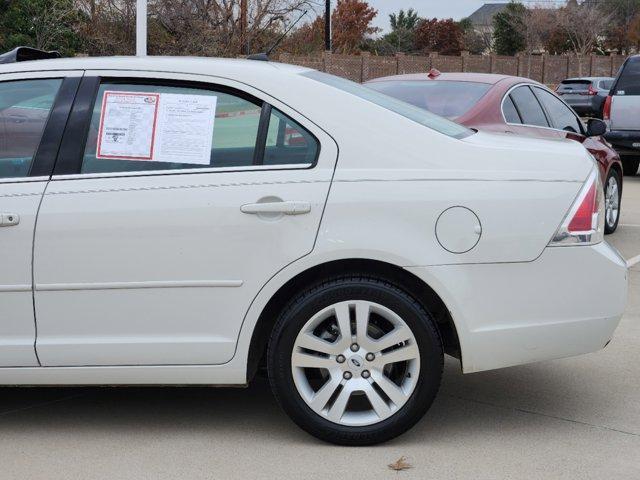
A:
x: 596, y: 127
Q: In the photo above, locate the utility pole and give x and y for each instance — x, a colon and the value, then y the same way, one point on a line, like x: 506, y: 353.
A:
x: 141, y: 28
x: 244, y: 44
x: 327, y: 26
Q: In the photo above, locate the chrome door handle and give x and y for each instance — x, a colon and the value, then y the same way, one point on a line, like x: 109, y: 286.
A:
x: 9, y: 219
x: 286, y: 208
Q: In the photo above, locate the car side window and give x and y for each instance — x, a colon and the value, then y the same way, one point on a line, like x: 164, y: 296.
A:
x: 528, y: 106
x: 560, y: 114
x: 511, y: 115
x: 227, y: 122
x: 24, y: 110
x: 288, y: 142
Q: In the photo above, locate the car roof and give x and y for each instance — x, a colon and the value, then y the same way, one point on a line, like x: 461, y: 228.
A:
x: 195, y: 65
x: 489, y: 78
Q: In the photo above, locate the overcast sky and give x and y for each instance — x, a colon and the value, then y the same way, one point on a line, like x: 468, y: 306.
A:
x: 456, y: 9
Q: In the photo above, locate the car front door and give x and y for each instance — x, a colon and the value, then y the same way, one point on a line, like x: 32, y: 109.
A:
x: 32, y: 106
x: 148, y: 254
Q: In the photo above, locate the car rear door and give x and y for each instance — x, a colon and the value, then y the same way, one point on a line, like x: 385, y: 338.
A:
x: 625, y: 102
x: 144, y: 254
x: 33, y: 110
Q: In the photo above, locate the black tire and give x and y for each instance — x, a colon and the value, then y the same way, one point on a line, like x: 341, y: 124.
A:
x: 340, y: 289
x: 630, y: 165
x: 610, y: 228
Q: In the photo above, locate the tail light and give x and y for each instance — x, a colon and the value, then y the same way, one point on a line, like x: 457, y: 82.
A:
x: 592, y: 91
x: 584, y: 224
x: 606, y: 109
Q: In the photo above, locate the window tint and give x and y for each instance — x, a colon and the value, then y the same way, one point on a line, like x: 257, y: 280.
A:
x: 510, y: 113
x: 418, y: 115
x: 235, y: 132
x: 606, y: 84
x: 448, y: 99
x: 528, y: 106
x: 629, y: 79
x: 288, y: 143
x: 24, y: 110
x: 568, y: 86
x: 560, y: 115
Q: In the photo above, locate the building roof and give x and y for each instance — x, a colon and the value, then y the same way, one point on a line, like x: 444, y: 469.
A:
x: 484, y: 15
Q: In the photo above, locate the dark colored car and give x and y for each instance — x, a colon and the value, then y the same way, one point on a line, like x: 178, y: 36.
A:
x: 585, y: 95
x: 511, y: 105
x: 621, y: 111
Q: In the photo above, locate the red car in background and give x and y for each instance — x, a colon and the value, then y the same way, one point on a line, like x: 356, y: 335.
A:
x: 510, y: 105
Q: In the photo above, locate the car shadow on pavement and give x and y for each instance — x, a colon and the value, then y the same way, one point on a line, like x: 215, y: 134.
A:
x: 489, y: 399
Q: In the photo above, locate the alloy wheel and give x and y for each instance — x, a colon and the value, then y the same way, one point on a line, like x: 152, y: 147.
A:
x: 355, y: 363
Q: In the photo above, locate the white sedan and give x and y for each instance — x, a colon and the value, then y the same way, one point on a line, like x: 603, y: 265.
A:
x: 189, y: 221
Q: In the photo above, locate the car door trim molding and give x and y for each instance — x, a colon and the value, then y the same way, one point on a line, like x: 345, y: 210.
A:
x: 531, y: 85
x: 15, y: 288
x: 56, y: 287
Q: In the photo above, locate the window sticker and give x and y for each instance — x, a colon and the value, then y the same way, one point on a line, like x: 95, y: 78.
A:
x: 159, y: 127
x: 127, y: 125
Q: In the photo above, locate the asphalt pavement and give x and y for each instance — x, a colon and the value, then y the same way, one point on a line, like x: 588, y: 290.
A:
x: 576, y: 418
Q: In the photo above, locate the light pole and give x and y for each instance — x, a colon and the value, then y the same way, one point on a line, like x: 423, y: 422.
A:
x: 327, y: 26
x: 141, y: 28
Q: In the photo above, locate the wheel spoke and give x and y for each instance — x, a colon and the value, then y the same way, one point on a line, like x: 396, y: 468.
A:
x: 344, y: 323
x: 362, y: 324
x: 322, y: 396
x: 306, y: 360
x: 336, y: 411
x: 316, y: 344
x: 377, y: 402
x: 394, y: 392
x: 394, y: 337
x: 402, y: 354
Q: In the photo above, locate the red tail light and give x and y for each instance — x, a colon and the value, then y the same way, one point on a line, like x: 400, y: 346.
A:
x: 583, y: 219
x: 592, y: 91
x: 584, y: 223
x: 606, y: 110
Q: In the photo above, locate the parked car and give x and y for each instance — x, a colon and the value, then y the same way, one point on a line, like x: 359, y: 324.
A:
x: 621, y: 111
x: 505, y: 104
x: 188, y: 221
x: 586, y: 95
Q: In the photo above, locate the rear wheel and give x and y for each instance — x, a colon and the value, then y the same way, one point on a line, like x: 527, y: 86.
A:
x: 612, y: 199
x: 630, y: 165
x: 355, y: 361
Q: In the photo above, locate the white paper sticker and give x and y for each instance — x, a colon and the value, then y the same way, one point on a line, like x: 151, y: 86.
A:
x: 163, y: 127
x: 127, y: 125
x: 185, y: 128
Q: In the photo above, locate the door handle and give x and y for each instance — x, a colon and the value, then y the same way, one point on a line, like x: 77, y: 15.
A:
x: 286, y: 208
x: 9, y: 219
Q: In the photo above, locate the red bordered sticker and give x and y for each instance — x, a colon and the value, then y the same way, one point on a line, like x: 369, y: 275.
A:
x: 128, y: 122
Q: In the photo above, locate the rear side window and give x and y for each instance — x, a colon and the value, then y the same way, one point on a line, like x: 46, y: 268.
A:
x: 560, y: 114
x: 528, y: 106
x: 24, y: 109
x: 448, y: 99
x: 288, y: 142
x: 139, y: 127
x: 509, y: 110
x: 629, y: 79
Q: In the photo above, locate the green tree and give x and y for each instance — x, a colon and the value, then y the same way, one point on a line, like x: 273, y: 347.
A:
x: 44, y: 24
x: 401, y: 37
x: 508, y: 28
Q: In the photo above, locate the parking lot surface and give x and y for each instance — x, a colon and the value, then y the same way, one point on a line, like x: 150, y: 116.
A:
x: 572, y: 418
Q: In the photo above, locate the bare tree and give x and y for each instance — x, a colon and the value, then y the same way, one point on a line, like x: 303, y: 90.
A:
x: 583, y: 24
x: 534, y: 25
x: 50, y: 21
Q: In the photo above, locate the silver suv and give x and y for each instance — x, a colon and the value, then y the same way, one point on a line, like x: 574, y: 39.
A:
x: 622, y: 113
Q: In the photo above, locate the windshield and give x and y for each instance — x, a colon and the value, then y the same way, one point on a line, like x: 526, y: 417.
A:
x: 407, y: 110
